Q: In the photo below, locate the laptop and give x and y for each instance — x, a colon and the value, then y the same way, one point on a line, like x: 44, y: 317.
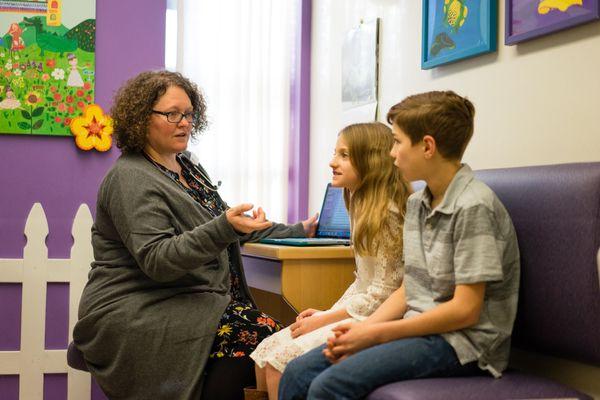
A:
x: 333, y: 227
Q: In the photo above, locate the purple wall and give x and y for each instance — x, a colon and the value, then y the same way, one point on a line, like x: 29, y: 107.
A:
x: 300, y: 114
x: 10, y: 317
x: 51, y: 170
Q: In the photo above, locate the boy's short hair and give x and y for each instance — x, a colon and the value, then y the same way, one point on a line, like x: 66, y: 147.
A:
x: 445, y: 116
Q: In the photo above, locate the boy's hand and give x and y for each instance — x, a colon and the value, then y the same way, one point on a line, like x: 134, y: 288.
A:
x: 308, y: 324
x: 348, y: 339
x: 310, y: 225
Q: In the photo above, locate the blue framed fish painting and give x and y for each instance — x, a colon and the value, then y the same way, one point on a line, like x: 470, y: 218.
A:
x: 457, y: 29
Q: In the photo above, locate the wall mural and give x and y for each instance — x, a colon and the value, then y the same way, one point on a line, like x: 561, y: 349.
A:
x: 47, y: 64
x: 528, y: 19
x: 457, y: 29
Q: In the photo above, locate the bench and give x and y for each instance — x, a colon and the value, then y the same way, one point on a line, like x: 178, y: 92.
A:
x: 556, y: 213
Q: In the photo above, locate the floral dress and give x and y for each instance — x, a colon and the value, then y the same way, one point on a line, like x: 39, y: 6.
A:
x: 242, y: 326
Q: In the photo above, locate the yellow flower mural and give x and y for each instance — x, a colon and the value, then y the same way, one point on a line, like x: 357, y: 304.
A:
x: 93, y: 129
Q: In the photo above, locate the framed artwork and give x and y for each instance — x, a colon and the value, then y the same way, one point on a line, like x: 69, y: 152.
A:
x: 359, y: 65
x: 360, y: 73
x: 457, y: 29
x: 47, y: 64
x: 528, y: 19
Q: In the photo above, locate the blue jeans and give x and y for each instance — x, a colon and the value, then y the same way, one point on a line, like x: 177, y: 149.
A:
x: 311, y: 376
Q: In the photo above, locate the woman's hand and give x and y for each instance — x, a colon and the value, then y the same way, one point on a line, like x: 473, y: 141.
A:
x: 308, y: 324
x: 310, y: 225
x: 245, y: 224
x: 350, y: 338
x: 306, y: 313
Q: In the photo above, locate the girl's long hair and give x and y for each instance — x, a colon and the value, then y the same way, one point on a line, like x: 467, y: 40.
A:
x: 380, y: 186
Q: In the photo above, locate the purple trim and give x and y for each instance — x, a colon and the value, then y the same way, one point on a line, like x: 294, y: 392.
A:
x: 55, y: 386
x: 9, y: 387
x: 97, y: 393
x: 552, y: 22
x: 51, y: 170
x: 10, y: 317
x: 57, y: 316
x: 300, y: 116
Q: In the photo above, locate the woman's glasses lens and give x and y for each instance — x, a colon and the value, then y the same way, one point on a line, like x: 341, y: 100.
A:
x: 176, y: 117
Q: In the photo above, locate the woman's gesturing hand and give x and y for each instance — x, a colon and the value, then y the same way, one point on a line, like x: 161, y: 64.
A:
x: 310, y: 225
x: 244, y: 223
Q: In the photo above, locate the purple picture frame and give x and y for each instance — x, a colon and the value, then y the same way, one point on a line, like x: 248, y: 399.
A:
x: 524, y: 22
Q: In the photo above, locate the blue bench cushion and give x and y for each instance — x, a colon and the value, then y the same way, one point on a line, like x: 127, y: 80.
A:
x: 513, y: 385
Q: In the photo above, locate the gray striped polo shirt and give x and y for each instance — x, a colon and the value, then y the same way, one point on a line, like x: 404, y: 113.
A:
x: 468, y: 238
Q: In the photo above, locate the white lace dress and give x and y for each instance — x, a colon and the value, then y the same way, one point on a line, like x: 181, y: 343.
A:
x: 376, y: 279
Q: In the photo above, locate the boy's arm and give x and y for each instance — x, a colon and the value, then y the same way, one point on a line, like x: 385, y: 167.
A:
x: 392, y: 308
x: 461, y: 312
x: 458, y: 313
x: 476, y: 261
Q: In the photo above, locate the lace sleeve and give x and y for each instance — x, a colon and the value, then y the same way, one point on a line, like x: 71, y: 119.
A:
x: 387, y: 274
x: 348, y: 294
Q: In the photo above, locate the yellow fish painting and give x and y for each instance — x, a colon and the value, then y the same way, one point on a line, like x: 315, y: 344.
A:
x: 545, y: 6
x: 455, y: 12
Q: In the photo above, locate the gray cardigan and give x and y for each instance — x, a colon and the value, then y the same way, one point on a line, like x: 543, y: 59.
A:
x: 158, y: 286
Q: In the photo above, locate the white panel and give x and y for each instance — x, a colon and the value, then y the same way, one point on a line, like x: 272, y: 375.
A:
x: 35, y: 257
x: 81, y: 255
x: 35, y: 270
x: 11, y: 270
x: 10, y: 362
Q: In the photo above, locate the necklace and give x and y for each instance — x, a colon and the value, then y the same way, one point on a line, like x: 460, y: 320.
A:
x: 204, y: 182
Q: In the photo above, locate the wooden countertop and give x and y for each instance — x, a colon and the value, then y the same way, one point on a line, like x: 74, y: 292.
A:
x: 278, y: 252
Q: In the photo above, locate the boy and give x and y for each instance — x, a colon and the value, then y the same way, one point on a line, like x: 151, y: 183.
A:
x: 454, y: 313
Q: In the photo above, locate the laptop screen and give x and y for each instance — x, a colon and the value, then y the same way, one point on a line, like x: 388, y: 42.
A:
x: 334, y: 221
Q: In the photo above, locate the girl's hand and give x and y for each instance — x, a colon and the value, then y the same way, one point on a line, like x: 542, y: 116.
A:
x: 310, y: 225
x: 308, y: 324
x: 350, y: 338
x: 306, y: 313
x: 245, y: 224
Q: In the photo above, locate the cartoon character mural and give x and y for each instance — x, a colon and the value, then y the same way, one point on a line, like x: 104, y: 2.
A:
x: 16, y: 41
x: 74, y: 76
x: 47, y: 65
x: 10, y: 102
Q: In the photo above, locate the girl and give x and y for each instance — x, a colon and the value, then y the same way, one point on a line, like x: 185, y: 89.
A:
x: 74, y: 79
x: 375, y: 196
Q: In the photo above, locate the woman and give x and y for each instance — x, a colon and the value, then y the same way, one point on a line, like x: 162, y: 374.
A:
x: 166, y: 304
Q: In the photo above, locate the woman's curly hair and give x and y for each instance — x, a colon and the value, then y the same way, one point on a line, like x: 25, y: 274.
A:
x: 135, y: 100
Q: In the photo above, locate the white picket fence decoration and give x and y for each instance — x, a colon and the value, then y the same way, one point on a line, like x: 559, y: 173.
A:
x: 34, y: 271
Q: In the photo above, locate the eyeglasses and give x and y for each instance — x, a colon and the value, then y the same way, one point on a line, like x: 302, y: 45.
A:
x: 175, y: 117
